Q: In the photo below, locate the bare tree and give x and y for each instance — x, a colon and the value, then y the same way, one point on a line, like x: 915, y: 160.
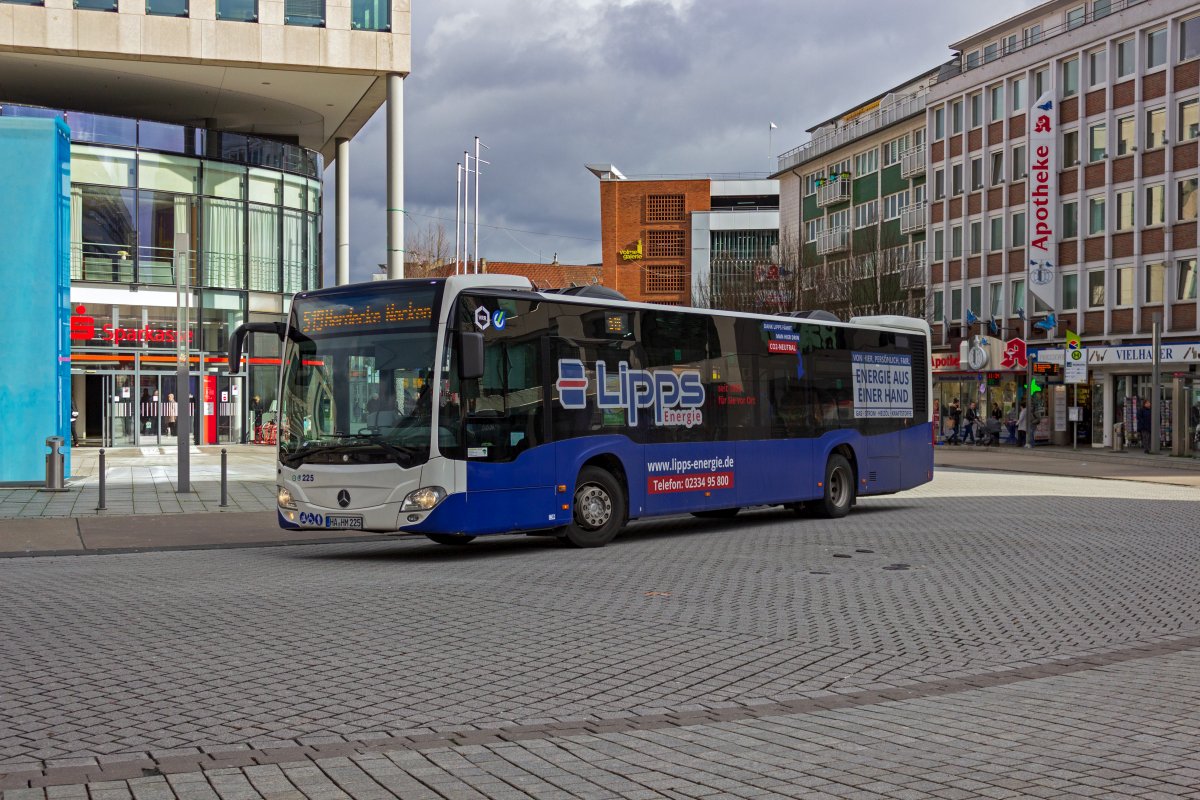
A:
x: 427, y: 249
x: 881, y: 274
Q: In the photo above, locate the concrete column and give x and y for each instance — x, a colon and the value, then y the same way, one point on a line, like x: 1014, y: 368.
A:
x: 395, y: 176
x: 342, y: 212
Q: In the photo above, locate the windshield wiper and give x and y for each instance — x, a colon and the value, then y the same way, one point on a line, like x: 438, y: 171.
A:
x: 397, y: 451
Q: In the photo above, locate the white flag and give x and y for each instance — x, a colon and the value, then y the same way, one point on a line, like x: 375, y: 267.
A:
x: 773, y: 126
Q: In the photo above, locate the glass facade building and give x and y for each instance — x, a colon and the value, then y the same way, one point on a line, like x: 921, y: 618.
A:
x: 243, y: 213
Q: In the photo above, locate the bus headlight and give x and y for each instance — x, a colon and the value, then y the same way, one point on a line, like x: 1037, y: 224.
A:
x: 284, y: 498
x: 423, y: 499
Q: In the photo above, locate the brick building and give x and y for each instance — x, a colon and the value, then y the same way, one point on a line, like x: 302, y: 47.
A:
x: 543, y: 276
x: 686, y: 241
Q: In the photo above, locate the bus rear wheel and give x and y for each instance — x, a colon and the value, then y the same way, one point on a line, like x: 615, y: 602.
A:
x: 452, y: 539
x: 598, y: 511
x: 839, y: 489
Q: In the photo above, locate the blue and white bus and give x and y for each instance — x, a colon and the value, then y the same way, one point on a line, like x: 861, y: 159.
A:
x: 476, y: 405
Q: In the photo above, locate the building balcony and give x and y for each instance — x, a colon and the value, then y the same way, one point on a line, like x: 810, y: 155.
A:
x: 914, y: 274
x: 833, y: 240
x: 834, y: 136
x: 912, y: 162
x: 833, y: 192
x: 914, y: 217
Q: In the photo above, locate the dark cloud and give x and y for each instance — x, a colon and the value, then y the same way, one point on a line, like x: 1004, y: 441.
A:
x: 655, y: 87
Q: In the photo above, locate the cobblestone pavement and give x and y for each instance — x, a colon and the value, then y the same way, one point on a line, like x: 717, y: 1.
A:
x: 984, y: 636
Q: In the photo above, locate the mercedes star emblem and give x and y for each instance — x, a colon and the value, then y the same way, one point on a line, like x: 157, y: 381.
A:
x: 343, y: 498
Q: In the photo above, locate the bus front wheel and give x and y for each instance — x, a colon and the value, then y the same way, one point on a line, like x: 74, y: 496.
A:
x: 598, y: 511
x: 452, y: 539
x: 839, y: 489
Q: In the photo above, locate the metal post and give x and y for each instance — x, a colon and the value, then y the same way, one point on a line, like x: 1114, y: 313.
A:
x: 457, y: 217
x: 1155, y: 392
x: 224, y: 479
x: 183, y: 417
x: 342, y: 211
x: 395, y: 176
x: 478, y: 169
x: 101, y: 506
x: 466, y: 200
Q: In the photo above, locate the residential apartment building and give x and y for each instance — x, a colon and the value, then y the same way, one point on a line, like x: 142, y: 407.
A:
x: 706, y: 241
x: 1122, y: 78
x: 853, y: 208
x: 199, y: 132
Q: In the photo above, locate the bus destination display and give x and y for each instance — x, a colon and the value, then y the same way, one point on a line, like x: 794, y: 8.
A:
x: 324, y: 316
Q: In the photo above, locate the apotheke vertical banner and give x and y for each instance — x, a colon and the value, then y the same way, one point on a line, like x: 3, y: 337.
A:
x: 1041, y: 223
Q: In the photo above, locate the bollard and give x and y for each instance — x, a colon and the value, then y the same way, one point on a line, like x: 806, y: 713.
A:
x: 101, y: 506
x: 224, y: 479
x: 55, y: 478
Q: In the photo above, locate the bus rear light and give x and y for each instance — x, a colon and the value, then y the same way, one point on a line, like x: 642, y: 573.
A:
x: 423, y: 499
x: 566, y: 506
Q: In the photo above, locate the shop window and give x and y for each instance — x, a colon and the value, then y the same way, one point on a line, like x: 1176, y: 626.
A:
x: 160, y: 214
x: 223, y: 243
x: 1156, y: 281
x: 293, y: 251
x: 103, y: 219
x: 220, y: 314
x: 1096, y: 288
x: 264, y: 247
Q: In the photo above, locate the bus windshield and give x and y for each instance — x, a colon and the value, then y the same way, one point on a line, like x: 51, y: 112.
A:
x: 357, y: 377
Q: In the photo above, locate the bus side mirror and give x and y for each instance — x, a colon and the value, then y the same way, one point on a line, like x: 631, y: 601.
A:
x: 470, y: 355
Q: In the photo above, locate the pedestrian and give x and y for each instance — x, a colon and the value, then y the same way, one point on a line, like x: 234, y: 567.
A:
x: 971, y: 416
x: 1144, y: 424
x: 170, y: 415
x: 1011, y: 424
x: 992, y: 427
x: 74, y: 424
x: 954, y: 413
x: 1022, y: 423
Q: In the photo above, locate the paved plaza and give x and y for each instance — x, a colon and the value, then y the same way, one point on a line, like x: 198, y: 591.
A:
x: 988, y: 635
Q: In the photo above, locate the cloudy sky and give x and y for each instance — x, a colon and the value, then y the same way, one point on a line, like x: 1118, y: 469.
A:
x: 656, y: 87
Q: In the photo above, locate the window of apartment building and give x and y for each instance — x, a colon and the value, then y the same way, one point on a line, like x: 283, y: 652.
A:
x: 1018, y: 229
x: 1097, y: 142
x: 1156, y: 204
x: 996, y: 101
x: 1185, y: 199
x: 1123, y: 285
x: 1070, y: 151
x: 238, y: 10
x: 1185, y: 279
x: 664, y: 208
x: 956, y: 116
x: 1070, y: 291
x: 837, y: 169
x: 893, y: 204
x: 996, y: 299
x: 1010, y: 43
x: 1156, y: 48
x: 997, y: 167
x: 976, y: 173
x: 1156, y: 128
x: 1041, y: 81
x: 1125, y: 210
x: 94, y: 5
x: 664, y: 244
x: 894, y: 149
x: 1156, y: 283
x: 1097, y: 67
x: 1126, y: 59
x: 1017, y: 92
x: 976, y: 238
x: 976, y: 110
x: 996, y: 233
x: 991, y: 52
x: 1032, y: 35
x: 1070, y: 220
x: 976, y: 298
x: 1096, y: 288
x: 939, y: 306
x: 664, y: 278
x: 1102, y: 8
x: 955, y: 304
x: 939, y: 184
x: 939, y: 245
x: 167, y: 8
x: 839, y: 220
x: 810, y: 181
x: 1070, y: 77
x: 1075, y: 17
x: 1126, y: 135
x: 1018, y: 298
x: 918, y: 137
x: 866, y: 214
x: 1189, y: 120
x: 956, y: 178
x: 812, y: 228
x: 306, y: 13
x: 972, y: 60
x: 1096, y: 219
x: 939, y: 122
x: 370, y: 15
x: 1019, y: 166
x: 866, y: 163
x: 956, y: 242
x: 1189, y: 38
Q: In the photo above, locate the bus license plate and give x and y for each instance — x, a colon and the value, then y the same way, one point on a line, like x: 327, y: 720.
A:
x: 344, y: 522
